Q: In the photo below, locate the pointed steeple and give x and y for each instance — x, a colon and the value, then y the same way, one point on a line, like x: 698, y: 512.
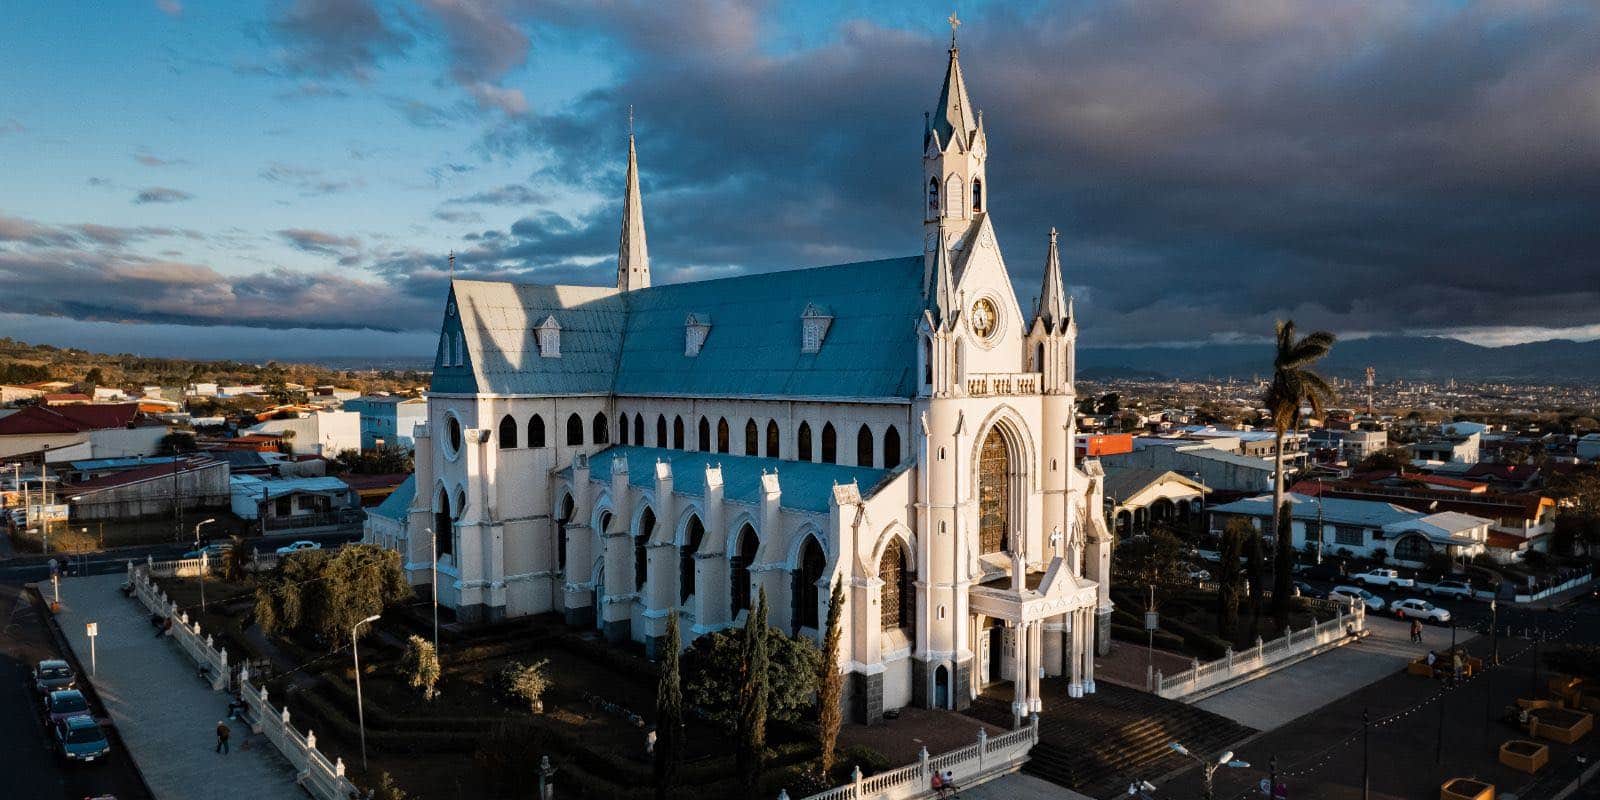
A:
x: 944, y: 298
x: 954, y: 119
x: 633, y: 255
x: 1052, y: 308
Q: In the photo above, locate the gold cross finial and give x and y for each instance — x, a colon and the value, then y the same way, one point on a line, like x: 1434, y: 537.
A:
x: 955, y: 22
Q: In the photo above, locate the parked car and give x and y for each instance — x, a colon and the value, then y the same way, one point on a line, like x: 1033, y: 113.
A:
x: 295, y: 547
x: 1328, y: 570
x: 1413, y: 608
x: 1303, y: 589
x: 1383, y: 577
x: 211, y: 551
x: 1357, y: 594
x: 1449, y: 588
x: 80, y: 738
x: 52, y: 674
x: 60, y: 705
x: 1194, y: 573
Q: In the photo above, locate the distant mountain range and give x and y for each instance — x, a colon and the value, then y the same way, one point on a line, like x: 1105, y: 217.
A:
x: 1430, y: 358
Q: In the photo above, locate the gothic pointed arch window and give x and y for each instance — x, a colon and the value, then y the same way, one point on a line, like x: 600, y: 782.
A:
x: 830, y: 444
x: 977, y: 195
x: 933, y: 197
x: 891, y: 448
x: 722, y: 435
x: 622, y: 429
x: 641, y: 558
x: 955, y: 196
x: 602, y: 429
x: 806, y: 577
x: 536, y: 431
x: 744, y: 554
x: 1038, y: 357
x: 561, y: 532
x: 994, y: 494
x: 899, y: 600
x: 574, y: 430
x: 443, y: 526
x: 772, y: 439
x: 804, y: 442
x: 703, y: 439
x: 927, y: 361
x: 677, y: 433
x: 508, y: 433
x: 864, y: 447
x: 661, y: 430
x: 692, y: 535
x: 752, y: 439
x: 638, y: 429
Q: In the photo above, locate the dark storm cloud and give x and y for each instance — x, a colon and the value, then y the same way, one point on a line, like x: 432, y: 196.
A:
x: 484, y: 46
x: 346, y: 249
x: 1211, y: 165
x: 335, y: 38
x: 162, y: 194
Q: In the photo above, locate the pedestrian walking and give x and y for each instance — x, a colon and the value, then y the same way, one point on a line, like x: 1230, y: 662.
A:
x: 1416, y: 631
x: 222, y: 737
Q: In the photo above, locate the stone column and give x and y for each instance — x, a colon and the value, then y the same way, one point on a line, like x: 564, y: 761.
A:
x: 1019, y: 671
x: 1035, y: 664
x: 1075, y: 654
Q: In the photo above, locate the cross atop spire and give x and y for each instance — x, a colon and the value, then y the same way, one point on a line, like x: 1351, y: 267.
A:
x: 955, y: 22
x: 452, y: 265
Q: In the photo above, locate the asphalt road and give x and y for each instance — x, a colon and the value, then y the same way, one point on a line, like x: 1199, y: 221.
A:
x: 27, y: 758
x: 36, y: 568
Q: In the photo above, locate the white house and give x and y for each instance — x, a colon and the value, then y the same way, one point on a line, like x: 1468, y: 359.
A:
x: 323, y: 433
x: 1364, y: 527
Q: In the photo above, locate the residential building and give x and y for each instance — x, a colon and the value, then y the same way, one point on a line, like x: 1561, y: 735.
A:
x: 901, y: 428
x: 385, y: 525
x: 1365, y: 528
x: 150, y: 490
x: 1351, y: 445
x: 1136, y: 499
x: 66, y: 433
x: 1220, y: 471
x: 388, y: 420
x: 1588, y: 447
x: 1456, y: 449
x: 13, y: 394
x: 291, y: 505
x: 323, y: 433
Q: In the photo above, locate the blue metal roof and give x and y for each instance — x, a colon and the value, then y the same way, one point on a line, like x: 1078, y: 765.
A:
x: 1366, y: 513
x: 806, y: 486
x: 95, y: 464
x: 633, y: 342
x: 397, y: 505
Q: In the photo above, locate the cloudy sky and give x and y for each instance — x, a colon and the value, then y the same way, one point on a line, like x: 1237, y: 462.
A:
x: 287, y: 177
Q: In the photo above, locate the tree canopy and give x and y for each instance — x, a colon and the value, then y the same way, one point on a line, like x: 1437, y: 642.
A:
x: 324, y: 593
x: 713, y: 665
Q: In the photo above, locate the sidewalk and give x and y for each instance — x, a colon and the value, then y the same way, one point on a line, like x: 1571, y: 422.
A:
x: 1272, y: 700
x: 166, y: 715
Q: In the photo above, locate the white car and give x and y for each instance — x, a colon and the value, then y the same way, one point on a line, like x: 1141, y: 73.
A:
x: 1450, y: 588
x: 1383, y: 577
x: 1356, y: 594
x: 1412, y: 608
x: 295, y: 547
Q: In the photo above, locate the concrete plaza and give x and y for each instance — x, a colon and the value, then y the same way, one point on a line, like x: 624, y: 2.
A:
x: 165, y: 714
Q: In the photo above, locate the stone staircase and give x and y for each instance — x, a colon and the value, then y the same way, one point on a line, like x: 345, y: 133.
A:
x: 1099, y: 744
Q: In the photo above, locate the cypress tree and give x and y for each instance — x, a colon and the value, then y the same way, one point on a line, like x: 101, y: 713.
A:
x: 669, y: 714
x: 752, y: 725
x: 830, y: 683
x: 1283, y: 566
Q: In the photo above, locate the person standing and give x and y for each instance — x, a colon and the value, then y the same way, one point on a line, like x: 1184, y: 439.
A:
x: 222, y: 737
x: 1416, y: 631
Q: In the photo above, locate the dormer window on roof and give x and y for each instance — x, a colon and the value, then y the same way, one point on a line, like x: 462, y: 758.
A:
x: 549, y: 336
x: 695, y: 330
x: 814, y: 323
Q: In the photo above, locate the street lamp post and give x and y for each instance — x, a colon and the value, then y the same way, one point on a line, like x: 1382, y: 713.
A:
x: 198, y: 526
x: 1209, y: 767
x: 1494, y: 631
x: 1366, y: 754
x: 361, y: 714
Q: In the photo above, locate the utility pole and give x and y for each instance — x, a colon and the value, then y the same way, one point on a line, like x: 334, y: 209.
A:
x: 1366, y: 755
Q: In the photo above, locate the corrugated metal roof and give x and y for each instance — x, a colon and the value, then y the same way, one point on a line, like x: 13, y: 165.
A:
x: 268, y: 488
x: 633, y: 342
x: 1366, y: 513
x: 397, y: 505
x: 805, y: 485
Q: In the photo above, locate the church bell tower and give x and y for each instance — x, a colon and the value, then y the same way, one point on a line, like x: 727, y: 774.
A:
x: 954, y: 149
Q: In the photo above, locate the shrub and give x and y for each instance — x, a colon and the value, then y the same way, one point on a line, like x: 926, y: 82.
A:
x: 420, y: 665
x: 526, y: 683
x: 387, y: 789
x: 868, y: 759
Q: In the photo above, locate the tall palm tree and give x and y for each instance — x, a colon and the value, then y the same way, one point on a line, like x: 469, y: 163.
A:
x: 1294, y: 386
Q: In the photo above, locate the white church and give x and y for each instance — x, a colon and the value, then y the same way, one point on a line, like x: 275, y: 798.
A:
x: 619, y: 453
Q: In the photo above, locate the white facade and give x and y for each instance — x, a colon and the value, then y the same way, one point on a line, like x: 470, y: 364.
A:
x: 323, y: 433
x: 769, y: 442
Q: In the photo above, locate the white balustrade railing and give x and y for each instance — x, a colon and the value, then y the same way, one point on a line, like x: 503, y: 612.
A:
x: 988, y: 757
x: 320, y: 777
x: 1347, y: 622
x: 986, y: 384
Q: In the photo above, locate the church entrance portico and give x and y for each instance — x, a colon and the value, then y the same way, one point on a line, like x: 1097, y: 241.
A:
x: 1036, y: 623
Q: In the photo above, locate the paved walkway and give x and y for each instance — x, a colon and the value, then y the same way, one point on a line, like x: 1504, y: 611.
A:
x: 1274, y: 700
x: 166, y: 715
x: 1018, y: 786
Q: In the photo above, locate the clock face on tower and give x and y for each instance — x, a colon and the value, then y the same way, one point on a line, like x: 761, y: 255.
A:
x: 983, y: 318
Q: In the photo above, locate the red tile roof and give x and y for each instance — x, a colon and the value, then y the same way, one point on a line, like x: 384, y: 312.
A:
x: 68, y: 419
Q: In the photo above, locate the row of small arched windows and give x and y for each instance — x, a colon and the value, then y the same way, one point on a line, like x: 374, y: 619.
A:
x: 953, y: 195
x: 754, y: 438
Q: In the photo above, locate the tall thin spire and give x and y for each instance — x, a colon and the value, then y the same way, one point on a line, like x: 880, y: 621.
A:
x: 1052, y: 308
x: 944, y: 285
x: 955, y: 118
x: 633, y: 255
